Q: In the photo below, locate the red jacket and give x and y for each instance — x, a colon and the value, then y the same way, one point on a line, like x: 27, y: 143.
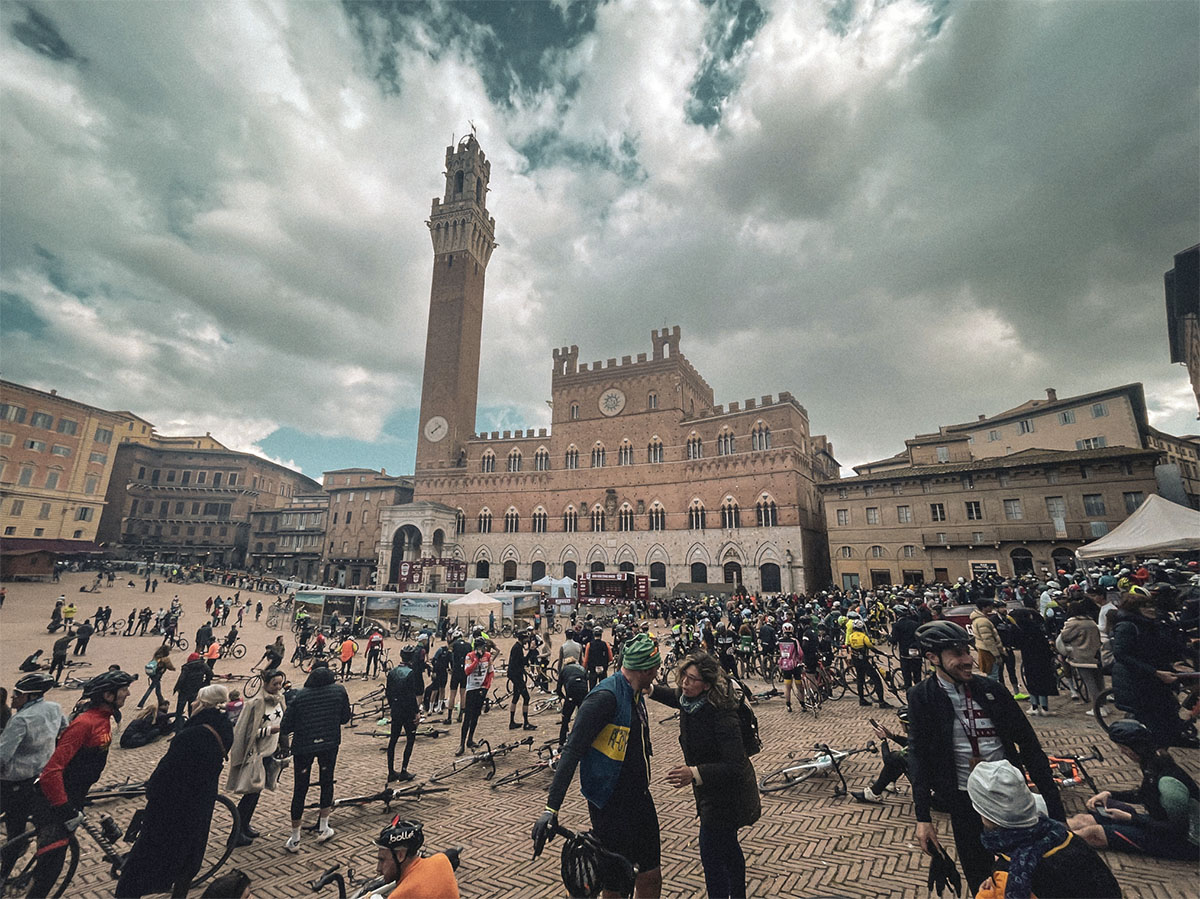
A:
x: 79, y: 759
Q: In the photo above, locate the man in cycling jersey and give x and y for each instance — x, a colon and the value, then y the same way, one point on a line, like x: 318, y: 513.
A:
x: 610, y: 743
x: 407, y: 874
x: 790, y: 657
x: 76, y: 764
x: 516, y: 677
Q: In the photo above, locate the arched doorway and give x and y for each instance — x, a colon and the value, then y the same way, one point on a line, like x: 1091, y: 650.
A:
x: 768, y: 575
x: 597, y: 566
x: 699, y: 573
x: 1022, y: 562
x: 658, y: 574
x: 406, y: 547
x: 569, y: 569
x: 1064, y: 560
x: 733, y: 573
x: 625, y: 566
x: 510, y: 570
x: 439, y: 542
x: 537, y: 571
x: 483, y: 568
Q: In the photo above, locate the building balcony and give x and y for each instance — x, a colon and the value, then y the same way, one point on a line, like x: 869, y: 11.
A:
x: 991, y: 535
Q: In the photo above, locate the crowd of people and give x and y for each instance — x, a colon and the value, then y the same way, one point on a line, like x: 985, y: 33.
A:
x: 968, y: 746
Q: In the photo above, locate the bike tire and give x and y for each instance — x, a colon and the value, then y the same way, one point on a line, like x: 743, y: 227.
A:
x: 1105, y: 711
x: 222, y: 837
x: 183, y: 644
x: 253, y: 685
x: 24, y: 846
x: 444, y: 774
x: 789, y: 775
x: 515, y: 777
x: 272, y: 621
x: 239, y: 650
x: 542, y: 705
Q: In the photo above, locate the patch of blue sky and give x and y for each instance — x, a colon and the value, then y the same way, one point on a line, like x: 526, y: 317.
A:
x: 732, y: 24
x: 18, y: 316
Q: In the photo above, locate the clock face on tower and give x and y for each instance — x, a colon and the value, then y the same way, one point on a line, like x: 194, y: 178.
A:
x: 436, y: 428
x: 612, y: 401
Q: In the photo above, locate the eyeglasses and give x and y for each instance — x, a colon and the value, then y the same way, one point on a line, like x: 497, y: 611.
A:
x: 692, y: 679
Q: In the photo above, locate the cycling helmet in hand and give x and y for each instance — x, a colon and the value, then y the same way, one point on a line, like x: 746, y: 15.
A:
x: 588, y: 868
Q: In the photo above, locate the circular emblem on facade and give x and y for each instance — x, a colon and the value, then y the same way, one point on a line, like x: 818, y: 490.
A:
x: 436, y: 428
x: 612, y: 401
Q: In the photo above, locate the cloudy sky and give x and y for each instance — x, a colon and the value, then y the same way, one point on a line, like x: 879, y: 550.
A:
x: 906, y: 213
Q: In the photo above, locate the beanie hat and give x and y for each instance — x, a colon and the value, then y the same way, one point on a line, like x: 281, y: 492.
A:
x: 210, y: 697
x: 193, y: 656
x: 641, y: 654
x: 999, y: 793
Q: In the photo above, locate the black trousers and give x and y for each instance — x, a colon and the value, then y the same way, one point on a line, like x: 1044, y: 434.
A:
x: 975, y: 860
x: 401, y: 724
x: 911, y: 669
x: 864, y: 670
x: 302, y: 773
x: 16, y: 798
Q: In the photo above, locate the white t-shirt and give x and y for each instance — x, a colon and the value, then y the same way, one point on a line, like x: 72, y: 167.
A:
x: 1105, y: 621
x: 968, y: 714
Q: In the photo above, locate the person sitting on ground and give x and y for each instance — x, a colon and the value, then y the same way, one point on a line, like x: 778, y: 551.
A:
x: 1034, y: 855
x: 33, y: 662
x: 157, y: 721
x: 895, y: 764
x: 1169, y: 827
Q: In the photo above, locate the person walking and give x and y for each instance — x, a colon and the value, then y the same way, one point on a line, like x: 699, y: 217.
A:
x: 83, y: 634
x: 180, y: 796
x: 716, y: 767
x: 403, y: 687
x: 956, y: 720
x: 26, y: 745
x: 347, y: 651
x: 193, y: 676
x: 58, y: 657
x: 479, y: 669
x: 312, y: 730
x: 610, y: 745
x: 156, y: 669
x: 1079, y: 643
x: 861, y: 646
x: 987, y: 639
x: 252, y: 763
x: 374, y: 650
x: 1037, y: 660
x: 459, y: 649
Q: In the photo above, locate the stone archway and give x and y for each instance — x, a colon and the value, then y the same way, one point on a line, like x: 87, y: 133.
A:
x: 406, y: 547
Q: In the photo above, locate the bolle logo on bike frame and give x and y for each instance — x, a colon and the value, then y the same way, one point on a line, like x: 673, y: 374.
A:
x: 613, y: 740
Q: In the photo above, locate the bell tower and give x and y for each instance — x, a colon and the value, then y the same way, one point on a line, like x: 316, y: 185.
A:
x: 462, y: 233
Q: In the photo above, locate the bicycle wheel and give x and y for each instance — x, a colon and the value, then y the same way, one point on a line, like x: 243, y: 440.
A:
x: 458, y: 766
x: 515, y: 777
x: 796, y: 772
x: 544, y: 705
x: 1105, y: 710
x: 272, y: 621
x: 183, y: 644
x: 239, y: 650
x: 252, y: 686
x: 24, y: 847
x: 812, y: 698
x: 222, y: 835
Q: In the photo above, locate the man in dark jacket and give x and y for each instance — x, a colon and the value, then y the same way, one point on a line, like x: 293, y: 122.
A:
x: 83, y: 634
x: 312, y: 728
x: 404, y: 685
x: 572, y: 687
x: 904, y: 638
x: 194, y: 675
x: 957, y: 720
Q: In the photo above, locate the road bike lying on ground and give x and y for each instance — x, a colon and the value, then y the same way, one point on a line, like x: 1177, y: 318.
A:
x: 104, y: 831
x: 1069, y: 770
x: 548, y: 755
x: 486, y: 758
x: 801, y: 769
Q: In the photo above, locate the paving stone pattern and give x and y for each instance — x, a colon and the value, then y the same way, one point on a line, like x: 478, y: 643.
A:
x: 808, y: 842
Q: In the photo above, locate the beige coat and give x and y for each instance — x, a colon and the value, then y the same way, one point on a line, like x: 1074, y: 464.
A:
x: 253, y: 741
x: 986, y: 636
x: 1080, y: 642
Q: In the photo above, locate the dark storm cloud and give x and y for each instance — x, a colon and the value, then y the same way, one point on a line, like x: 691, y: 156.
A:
x: 905, y: 213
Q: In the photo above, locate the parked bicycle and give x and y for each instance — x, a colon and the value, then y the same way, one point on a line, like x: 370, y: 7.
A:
x: 801, y: 769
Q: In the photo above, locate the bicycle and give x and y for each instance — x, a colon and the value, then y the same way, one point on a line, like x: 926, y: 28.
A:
x: 487, y: 758
x: 177, y: 642
x: 1105, y: 710
x: 548, y: 756
x: 1069, y: 770
x: 546, y: 704
x: 801, y: 769
x: 237, y: 650
x: 387, y: 796
x: 106, y: 833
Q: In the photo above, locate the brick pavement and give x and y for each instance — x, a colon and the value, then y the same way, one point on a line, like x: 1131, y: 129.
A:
x: 807, y: 843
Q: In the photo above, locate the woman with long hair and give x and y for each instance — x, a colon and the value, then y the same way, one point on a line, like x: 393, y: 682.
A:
x: 715, y: 766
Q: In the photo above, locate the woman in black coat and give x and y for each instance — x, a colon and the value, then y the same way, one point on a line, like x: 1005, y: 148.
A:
x: 1037, y: 660
x: 180, y: 796
x: 716, y: 767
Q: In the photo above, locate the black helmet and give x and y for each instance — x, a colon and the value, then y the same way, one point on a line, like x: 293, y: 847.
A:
x: 408, y: 654
x: 408, y: 834
x: 37, y: 682
x: 108, y: 682
x: 597, y: 632
x: 1133, y: 734
x: 938, y: 635
x: 588, y: 868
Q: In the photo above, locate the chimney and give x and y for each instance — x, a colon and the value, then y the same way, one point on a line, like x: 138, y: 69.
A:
x: 382, y: 471
x: 54, y: 392
x: 1051, y: 395
x: 982, y: 417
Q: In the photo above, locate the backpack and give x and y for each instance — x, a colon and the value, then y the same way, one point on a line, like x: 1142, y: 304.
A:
x: 151, y: 667
x: 751, y: 739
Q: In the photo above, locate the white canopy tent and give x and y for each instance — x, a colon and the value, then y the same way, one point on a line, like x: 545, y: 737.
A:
x: 556, y: 587
x: 1157, y: 526
x: 474, y: 607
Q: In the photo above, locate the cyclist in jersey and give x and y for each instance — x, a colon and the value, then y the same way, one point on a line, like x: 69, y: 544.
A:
x: 479, y: 669
x: 516, y: 677
x: 408, y: 875
x: 77, y: 763
x: 404, y: 688
x: 861, y: 647
x: 790, y: 657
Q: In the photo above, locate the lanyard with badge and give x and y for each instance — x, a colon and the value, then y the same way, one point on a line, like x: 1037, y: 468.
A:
x: 970, y: 729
